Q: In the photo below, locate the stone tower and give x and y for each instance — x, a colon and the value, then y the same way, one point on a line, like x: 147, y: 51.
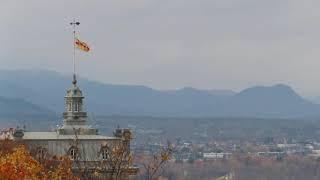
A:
x: 75, y: 117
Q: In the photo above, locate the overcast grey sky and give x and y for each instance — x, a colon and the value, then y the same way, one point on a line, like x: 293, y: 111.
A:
x: 168, y: 44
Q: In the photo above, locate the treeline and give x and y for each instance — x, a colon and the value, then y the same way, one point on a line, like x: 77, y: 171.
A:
x: 247, y: 168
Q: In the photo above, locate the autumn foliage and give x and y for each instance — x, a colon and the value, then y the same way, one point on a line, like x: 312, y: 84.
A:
x: 17, y: 163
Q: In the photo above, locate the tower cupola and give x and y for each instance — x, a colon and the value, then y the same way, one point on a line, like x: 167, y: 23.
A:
x: 75, y: 117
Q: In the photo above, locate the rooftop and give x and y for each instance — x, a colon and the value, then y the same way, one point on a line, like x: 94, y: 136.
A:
x: 56, y: 136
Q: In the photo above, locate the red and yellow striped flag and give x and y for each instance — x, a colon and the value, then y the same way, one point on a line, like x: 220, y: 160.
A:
x: 81, y: 45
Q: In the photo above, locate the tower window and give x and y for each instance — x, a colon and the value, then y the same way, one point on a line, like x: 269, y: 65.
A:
x: 69, y: 106
x: 73, y: 106
x: 76, y: 107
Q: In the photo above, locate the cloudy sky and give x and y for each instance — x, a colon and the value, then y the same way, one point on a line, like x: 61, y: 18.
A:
x: 169, y: 44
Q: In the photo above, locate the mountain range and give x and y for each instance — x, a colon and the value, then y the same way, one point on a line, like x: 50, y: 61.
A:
x: 42, y: 92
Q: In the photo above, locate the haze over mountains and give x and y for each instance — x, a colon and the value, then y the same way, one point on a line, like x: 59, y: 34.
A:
x: 41, y: 92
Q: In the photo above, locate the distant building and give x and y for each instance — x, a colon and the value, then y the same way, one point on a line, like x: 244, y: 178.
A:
x: 75, y: 138
x: 315, y: 154
x: 6, y: 133
x: 298, y: 149
x: 213, y: 155
x: 277, y: 155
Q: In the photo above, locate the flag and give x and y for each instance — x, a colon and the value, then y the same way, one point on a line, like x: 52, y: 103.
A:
x: 81, y: 45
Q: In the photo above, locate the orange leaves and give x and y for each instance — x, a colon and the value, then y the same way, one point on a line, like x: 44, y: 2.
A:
x: 19, y: 164
x: 165, y: 156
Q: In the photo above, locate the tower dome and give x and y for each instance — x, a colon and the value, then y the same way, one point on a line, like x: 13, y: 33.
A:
x: 74, y: 91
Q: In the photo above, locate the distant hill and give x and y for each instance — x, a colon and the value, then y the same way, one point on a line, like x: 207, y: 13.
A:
x: 274, y: 101
x: 14, y: 108
x: 47, y: 89
x: 315, y: 100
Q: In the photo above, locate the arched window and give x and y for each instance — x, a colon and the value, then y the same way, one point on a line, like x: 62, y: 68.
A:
x: 104, y: 153
x: 77, y: 106
x: 80, y: 105
x: 69, y: 105
x: 73, y: 153
x: 41, y: 153
x: 73, y: 106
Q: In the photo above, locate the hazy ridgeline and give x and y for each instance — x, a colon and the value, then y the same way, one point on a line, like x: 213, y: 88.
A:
x: 42, y: 92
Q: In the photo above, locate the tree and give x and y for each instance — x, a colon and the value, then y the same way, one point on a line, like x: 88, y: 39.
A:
x: 152, y: 165
x: 16, y: 162
x: 117, y: 161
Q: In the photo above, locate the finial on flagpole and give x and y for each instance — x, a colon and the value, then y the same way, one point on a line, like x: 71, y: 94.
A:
x: 74, y: 24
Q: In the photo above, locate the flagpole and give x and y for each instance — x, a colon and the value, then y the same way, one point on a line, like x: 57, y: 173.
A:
x: 74, y: 24
x: 74, y: 48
